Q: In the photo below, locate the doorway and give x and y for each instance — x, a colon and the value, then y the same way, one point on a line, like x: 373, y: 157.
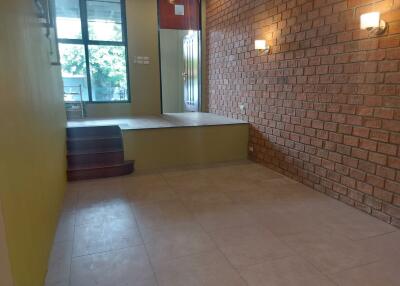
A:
x: 180, y: 55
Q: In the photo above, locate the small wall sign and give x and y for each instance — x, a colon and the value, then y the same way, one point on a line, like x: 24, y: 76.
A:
x: 179, y: 10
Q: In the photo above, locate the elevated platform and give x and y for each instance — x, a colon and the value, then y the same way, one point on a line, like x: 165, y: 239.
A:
x: 178, y: 139
x: 168, y: 120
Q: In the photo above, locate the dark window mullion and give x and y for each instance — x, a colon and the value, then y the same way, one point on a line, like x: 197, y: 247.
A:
x: 85, y: 39
x: 124, y: 21
x: 106, y: 43
x: 70, y: 41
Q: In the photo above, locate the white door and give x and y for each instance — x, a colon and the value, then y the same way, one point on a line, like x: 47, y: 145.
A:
x: 191, y: 73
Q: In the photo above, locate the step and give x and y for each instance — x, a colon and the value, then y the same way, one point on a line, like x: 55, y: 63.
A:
x: 96, y: 144
x: 95, y: 158
x: 96, y: 131
x: 101, y: 171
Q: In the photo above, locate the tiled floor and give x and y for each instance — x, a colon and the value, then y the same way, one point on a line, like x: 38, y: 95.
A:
x: 226, y: 225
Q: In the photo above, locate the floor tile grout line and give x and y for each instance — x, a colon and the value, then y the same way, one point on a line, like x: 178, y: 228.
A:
x: 73, y: 244
x: 357, y: 266
x: 374, y: 236
x: 145, y: 247
x: 296, y: 253
x: 307, y: 260
x: 223, y: 254
x: 216, y: 245
x: 153, y: 270
x: 107, y: 251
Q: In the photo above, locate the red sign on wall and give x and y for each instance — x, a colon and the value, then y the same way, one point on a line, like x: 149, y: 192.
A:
x: 179, y: 14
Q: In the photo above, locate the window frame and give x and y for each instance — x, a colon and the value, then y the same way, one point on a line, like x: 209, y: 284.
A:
x: 86, y: 42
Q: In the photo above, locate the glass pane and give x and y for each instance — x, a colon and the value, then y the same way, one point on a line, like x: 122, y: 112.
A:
x: 68, y: 19
x: 108, y: 73
x: 104, y: 20
x: 73, y: 64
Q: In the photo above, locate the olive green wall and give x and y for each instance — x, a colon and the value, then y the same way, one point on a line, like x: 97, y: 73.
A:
x: 173, y: 147
x: 142, y: 24
x: 5, y: 270
x: 32, y: 145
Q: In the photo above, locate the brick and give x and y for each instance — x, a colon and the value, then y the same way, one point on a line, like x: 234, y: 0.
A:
x: 389, y: 149
x: 388, y: 43
x: 382, y: 216
x: 375, y: 181
x: 391, y: 210
x: 343, y: 149
x: 393, y: 78
x: 357, y: 3
x: 359, y: 153
x: 356, y: 196
x: 377, y: 158
x: 363, y: 207
x: 383, y: 195
x: 385, y: 172
x: 394, y: 138
x: 379, y: 135
x: 372, y: 122
x: 346, y: 200
x: 361, y: 132
x: 350, y: 140
x: 365, y: 188
x: 388, y: 66
x: 351, y: 162
x: 396, y: 200
x: 341, y: 169
x: 358, y: 174
x: 391, y: 125
x: 394, y: 162
x: 373, y: 202
x: 368, y: 144
x: 385, y: 113
x: 392, y: 186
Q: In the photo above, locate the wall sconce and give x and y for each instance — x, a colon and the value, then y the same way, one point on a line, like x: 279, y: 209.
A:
x: 373, y: 23
x: 261, y: 46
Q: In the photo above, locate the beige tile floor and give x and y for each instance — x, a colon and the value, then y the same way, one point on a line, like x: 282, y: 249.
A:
x: 231, y: 224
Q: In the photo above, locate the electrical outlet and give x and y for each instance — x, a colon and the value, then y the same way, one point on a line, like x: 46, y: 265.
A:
x: 241, y: 106
x: 251, y: 148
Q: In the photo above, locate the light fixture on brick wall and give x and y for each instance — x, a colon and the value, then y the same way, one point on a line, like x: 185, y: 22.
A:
x: 373, y: 23
x: 261, y: 46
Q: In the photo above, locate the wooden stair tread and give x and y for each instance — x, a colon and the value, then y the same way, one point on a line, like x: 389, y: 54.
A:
x: 95, y: 138
x: 104, y: 172
x: 101, y: 166
x: 93, y: 152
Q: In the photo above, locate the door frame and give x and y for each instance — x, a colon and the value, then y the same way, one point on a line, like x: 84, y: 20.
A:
x: 201, y: 61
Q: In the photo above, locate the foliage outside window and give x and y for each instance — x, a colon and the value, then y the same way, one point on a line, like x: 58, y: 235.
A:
x: 93, y: 49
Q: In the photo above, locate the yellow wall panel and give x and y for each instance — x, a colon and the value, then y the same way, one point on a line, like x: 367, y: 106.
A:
x: 32, y: 145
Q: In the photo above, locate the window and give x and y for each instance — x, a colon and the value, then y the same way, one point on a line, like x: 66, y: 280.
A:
x: 93, y: 50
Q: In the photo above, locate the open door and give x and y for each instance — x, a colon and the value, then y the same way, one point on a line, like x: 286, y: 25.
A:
x: 180, y: 55
x: 190, y: 74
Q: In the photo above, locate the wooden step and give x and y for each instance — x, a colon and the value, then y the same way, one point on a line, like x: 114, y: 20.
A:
x: 76, y: 160
x: 97, y: 131
x: 101, y: 171
x: 97, y: 144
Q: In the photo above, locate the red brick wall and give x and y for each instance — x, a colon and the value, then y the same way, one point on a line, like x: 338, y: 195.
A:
x: 325, y: 103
